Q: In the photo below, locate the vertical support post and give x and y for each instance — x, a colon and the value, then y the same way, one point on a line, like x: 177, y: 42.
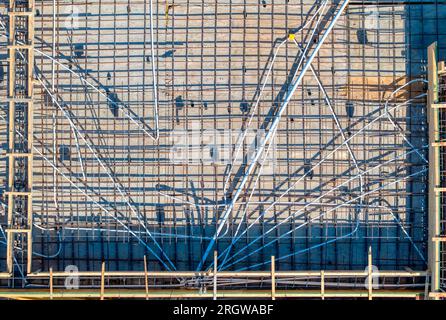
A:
x: 434, y: 170
x: 322, y: 285
x: 370, y: 274
x: 51, y: 283
x: 102, y: 280
x: 9, y: 251
x: 426, y: 288
x: 215, y: 274
x: 273, y: 278
x: 146, y: 280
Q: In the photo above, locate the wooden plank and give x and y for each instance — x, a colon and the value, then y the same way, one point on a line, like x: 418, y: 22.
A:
x: 19, y: 155
x: 238, y: 274
x: 273, y: 278
x: 146, y: 280
x: 370, y: 274
x: 21, y: 13
x: 102, y: 280
x: 322, y: 285
x: 51, y: 283
x: 375, y: 88
x: 437, y: 295
x: 18, y: 231
x: 438, y: 144
x: 18, y: 193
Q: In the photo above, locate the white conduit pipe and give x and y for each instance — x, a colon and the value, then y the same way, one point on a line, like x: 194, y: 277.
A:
x: 97, y: 204
x: 154, y: 75
x: 318, y: 217
x: 305, y: 205
x: 340, y: 146
x: 268, y: 136
x: 126, y: 113
x: 328, y: 192
x: 338, y: 124
x: 107, y: 171
x: 239, y: 145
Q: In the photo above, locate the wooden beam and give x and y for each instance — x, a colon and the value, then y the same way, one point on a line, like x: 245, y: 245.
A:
x: 102, y: 280
x: 437, y: 295
x: 18, y: 193
x: 273, y: 278
x: 434, y: 168
x: 237, y: 274
x: 184, y: 293
x: 438, y: 144
x: 51, y: 283
x: 370, y: 274
x: 322, y: 285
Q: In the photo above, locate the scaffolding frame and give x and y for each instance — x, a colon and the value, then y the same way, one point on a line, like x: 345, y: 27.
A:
x: 437, y: 232
x: 20, y: 131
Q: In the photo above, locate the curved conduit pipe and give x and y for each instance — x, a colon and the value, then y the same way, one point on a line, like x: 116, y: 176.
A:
x: 314, y: 201
x: 326, y: 242
x: 270, y: 132
x: 261, y: 93
x: 338, y: 124
x: 128, y: 115
x: 88, y: 83
x: 99, y: 205
x: 320, y: 162
x: 103, y: 166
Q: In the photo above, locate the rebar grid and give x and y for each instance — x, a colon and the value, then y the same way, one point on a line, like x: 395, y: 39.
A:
x: 95, y: 122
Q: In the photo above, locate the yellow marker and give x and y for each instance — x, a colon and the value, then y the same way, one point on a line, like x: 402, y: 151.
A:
x: 291, y: 36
